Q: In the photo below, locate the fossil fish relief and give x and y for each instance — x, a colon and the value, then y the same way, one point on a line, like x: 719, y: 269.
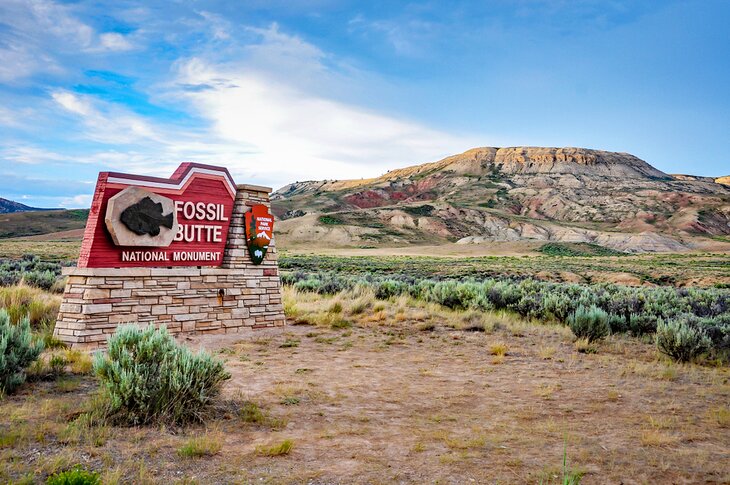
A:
x: 145, y: 217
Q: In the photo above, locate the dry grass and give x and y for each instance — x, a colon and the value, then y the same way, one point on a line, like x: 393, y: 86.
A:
x: 207, y: 444
x: 720, y: 415
x: 407, y: 393
x: 279, y: 449
x: 498, y: 349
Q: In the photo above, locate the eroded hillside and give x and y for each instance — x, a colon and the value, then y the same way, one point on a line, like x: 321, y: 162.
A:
x: 503, y: 194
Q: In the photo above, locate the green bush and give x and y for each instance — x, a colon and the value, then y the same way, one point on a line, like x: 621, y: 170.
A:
x: 330, y: 220
x: 617, y: 323
x: 590, y: 323
x: 148, y: 377
x: 18, y: 350
x: 642, y: 323
x: 309, y: 285
x: 680, y: 340
x: 629, y: 309
x: 31, y: 269
x: 75, y: 476
x: 40, y: 279
x: 388, y: 288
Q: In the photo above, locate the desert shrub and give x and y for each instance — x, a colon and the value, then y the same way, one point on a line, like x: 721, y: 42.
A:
x: 531, y: 306
x: 445, y: 293
x: 309, y: 285
x: 147, y: 377
x: 388, y: 288
x: 589, y: 322
x: 9, y: 278
x: 292, y: 277
x: 718, y: 330
x: 18, y: 350
x: 504, y: 294
x: 30, y: 269
x: 680, y: 340
x: 330, y: 220
x: 75, y: 476
x: 642, y: 323
x: 617, y: 323
x: 629, y: 309
x: 557, y: 306
x: 332, y: 284
x: 423, y: 210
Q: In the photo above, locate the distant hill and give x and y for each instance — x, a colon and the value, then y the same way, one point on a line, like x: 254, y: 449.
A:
x: 9, y: 206
x: 575, y: 195
x: 32, y: 223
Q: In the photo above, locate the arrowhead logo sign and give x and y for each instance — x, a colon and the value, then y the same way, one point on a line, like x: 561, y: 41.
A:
x: 259, y: 231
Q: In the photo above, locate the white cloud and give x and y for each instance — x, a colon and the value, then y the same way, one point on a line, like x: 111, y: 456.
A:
x: 297, y: 133
x: 113, y: 41
x: 27, y: 154
x: 219, y: 26
x: 73, y: 103
x: 41, y: 32
x: 78, y: 201
x: 278, y: 113
x: 104, y: 122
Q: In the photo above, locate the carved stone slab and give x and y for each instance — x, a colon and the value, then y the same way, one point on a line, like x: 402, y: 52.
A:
x: 142, y: 216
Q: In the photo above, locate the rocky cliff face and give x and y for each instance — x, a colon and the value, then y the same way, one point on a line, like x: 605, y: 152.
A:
x: 551, y: 194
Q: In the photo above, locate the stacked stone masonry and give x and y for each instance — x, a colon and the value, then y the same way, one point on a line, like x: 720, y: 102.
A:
x: 238, y: 296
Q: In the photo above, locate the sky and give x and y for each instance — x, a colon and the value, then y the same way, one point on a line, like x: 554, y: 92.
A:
x: 283, y: 91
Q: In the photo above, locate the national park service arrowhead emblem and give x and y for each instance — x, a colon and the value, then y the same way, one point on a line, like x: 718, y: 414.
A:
x: 259, y: 231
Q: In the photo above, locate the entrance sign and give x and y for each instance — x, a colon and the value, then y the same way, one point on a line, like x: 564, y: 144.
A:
x: 150, y: 221
x: 259, y: 231
x: 194, y: 252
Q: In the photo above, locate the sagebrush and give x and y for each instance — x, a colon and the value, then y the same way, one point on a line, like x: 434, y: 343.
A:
x: 590, y: 323
x: 18, y: 350
x: 146, y: 376
x: 680, y: 340
x: 628, y: 309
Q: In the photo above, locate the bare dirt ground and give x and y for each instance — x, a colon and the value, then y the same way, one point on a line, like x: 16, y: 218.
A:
x: 410, y: 393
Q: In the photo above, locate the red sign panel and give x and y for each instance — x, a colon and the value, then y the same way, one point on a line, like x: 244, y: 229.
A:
x: 138, y: 221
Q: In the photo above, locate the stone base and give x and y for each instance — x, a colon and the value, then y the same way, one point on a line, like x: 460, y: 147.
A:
x: 186, y: 300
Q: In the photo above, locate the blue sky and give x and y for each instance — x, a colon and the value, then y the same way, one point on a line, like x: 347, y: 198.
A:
x: 280, y: 91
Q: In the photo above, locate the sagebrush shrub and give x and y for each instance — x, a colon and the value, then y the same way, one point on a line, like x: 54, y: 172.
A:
x: 309, y: 284
x: 642, y: 323
x: 589, y: 323
x: 146, y: 376
x: 18, y: 350
x: 389, y: 288
x: 31, y: 269
x: 40, y: 279
x: 680, y: 340
x: 629, y: 309
x: 557, y: 305
x: 617, y: 323
x: 8, y: 278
